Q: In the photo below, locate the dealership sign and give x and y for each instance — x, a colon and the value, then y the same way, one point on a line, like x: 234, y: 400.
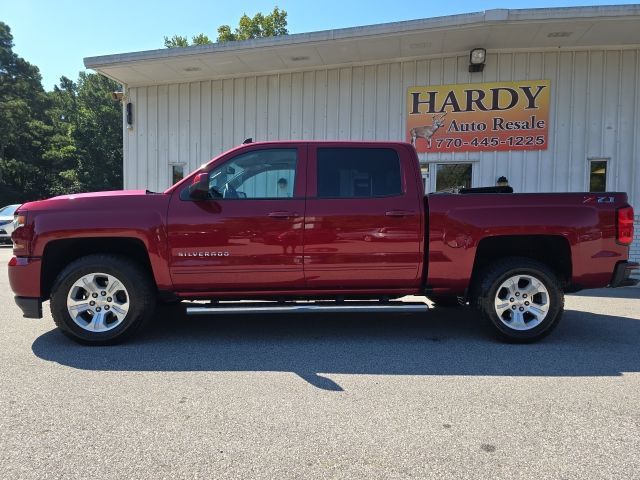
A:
x: 479, y: 117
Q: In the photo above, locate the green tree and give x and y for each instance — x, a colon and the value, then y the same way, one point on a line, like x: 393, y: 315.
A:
x: 64, y: 141
x: 85, y: 151
x: 201, y: 39
x: 24, y: 124
x: 258, y: 26
x: 177, y: 41
x: 98, y: 133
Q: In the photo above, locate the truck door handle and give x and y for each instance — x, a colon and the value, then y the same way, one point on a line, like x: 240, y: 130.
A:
x: 398, y: 213
x: 282, y: 214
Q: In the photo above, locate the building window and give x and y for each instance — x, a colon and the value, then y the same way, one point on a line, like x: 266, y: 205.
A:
x: 358, y: 173
x: 177, y: 173
x: 598, y: 175
x: 451, y: 177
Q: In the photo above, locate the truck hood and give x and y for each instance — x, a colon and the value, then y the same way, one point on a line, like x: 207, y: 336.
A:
x: 109, y: 193
x: 68, y: 201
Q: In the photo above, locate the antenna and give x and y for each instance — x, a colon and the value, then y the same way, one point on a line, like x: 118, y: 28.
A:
x: 248, y: 140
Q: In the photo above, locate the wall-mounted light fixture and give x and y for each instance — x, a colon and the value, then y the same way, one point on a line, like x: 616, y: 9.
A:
x: 477, y: 58
x: 129, y: 115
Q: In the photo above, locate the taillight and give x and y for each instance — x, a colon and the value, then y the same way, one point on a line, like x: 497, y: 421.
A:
x: 625, y: 225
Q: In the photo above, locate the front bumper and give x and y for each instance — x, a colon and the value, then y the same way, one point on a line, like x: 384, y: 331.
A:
x: 24, y: 279
x: 24, y: 276
x: 622, y: 274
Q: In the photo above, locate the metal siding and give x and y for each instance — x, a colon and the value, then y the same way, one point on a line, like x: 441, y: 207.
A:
x: 562, y: 121
x: 610, y: 121
x: 174, y: 121
x: 397, y: 99
x: 595, y: 99
x: 382, y: 102
x: 195, y: 122
x: 320, y: 104
x: 356, y: 126
x: 626, y: 126
x: 308, y: 97
x: 239, y: 100
x: 227, y: 114
x: 262, y: 107
x: 152, y: 137
x: 140, y: 123
x: 128, y: 158
x: 333, y: 107
x: 162, y: 128
x: 184, y: 125
x: 369, y: 106
x: 250, y: 108
x: 284, y: 107
x: 217, y: 118
x: 205, y: 153
x: 297, y: 97
x: 344, y: 102
x: 578, y: 164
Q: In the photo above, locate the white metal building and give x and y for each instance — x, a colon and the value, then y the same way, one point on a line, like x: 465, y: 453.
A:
x: 184, y: 106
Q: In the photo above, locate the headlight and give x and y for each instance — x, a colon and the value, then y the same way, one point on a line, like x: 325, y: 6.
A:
x: 19, y: 221
x: 21, y: 235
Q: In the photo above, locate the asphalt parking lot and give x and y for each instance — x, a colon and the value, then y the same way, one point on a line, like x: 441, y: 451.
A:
x: 324, y: 396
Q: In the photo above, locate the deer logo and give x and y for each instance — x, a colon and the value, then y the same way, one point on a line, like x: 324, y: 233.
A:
x: 427, y: 131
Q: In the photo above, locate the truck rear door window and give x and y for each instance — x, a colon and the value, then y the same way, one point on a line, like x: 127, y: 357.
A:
x: 358, y: 172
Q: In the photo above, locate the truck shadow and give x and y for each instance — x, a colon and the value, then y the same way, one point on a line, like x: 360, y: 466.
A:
x: 443, y: 342
x: 625, y: 292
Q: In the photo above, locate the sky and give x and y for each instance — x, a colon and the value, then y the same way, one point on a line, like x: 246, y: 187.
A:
x: 56, y: 35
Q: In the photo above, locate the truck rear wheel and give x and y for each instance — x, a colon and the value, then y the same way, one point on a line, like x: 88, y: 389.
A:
x: 521, y: 299
x: 102, y: 299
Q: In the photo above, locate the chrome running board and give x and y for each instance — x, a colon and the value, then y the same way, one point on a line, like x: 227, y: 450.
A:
x: 342, y: 307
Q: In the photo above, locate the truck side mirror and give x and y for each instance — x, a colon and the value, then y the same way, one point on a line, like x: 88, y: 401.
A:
x: 199, y: 188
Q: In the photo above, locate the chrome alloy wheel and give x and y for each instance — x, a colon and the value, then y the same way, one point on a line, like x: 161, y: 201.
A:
x: 98, y: 302
x: 522, y: 302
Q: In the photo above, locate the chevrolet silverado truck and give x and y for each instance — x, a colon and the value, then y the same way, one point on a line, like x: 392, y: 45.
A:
x: 329, y: 222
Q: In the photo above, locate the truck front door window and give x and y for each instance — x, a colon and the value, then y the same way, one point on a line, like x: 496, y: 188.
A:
x: 268, y: 173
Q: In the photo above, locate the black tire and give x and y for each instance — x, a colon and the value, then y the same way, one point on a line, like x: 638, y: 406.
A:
x: 485, y: 291
x: 445, y: 301
x: 137, y: 282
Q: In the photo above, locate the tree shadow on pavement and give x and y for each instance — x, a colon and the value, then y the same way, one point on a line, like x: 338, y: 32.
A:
x: 442, y: 342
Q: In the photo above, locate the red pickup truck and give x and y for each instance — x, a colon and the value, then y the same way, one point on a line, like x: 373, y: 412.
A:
x: 311, y: 220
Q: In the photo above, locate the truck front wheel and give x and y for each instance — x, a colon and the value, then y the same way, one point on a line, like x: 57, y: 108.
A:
x: 102, y: 299
x: 521, y: 299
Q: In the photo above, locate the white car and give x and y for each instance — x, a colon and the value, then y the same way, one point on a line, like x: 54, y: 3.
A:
x: 6, y: 222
